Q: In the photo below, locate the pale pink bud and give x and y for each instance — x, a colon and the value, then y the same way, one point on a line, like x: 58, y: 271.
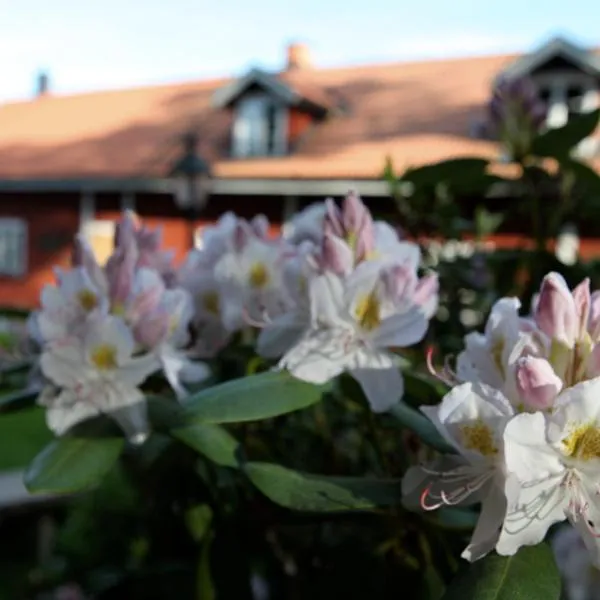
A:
x: 260, y: 226
x: 365, y: 241
x: 152, y: 328
x: 336, y: 256
x: 556, y: 313
x: 355, y: 215
x: 593, y: 363
x: 120, y: 271
x: 149, y: 240
x: 594, y: 317
x: 125, y: 229
x: 582, y: 299
x: 537, y: 383
x: 240, y: 236
x: 333, y: 218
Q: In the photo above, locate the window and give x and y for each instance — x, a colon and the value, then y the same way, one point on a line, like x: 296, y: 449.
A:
x: 13, y: 247
x: 575, y: 99
x: 101, y: 237
x: 259, y: 128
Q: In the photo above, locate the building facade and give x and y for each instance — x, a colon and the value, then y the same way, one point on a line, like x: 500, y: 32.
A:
x: 276, y: 142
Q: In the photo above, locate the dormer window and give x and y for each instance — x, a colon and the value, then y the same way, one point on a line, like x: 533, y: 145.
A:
x: 566, y: 76
x: 271, y: 112
x: 260, y: 126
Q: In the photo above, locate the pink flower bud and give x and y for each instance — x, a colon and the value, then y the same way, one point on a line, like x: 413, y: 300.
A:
x: 537, y: 383
x: 594, y: 316
x: 125, y: 229
x: 336, y: 256
x: 120, y: 271
x: 333, y: 218
x: 355, y: 216
x: 582, y: 299
x: 240, y: 236
x: 260, y: 226
x: 556, y: 313
x: 365, y: 241
x: 593, y: 363
x: 152, y: 329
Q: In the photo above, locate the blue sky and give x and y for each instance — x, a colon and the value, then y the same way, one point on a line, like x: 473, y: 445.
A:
x: 90, y: 44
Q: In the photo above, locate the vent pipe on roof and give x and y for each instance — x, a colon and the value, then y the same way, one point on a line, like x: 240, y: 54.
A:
x: 298, y: 57
x: 42, y: 84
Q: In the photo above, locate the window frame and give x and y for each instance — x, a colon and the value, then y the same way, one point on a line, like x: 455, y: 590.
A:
x: 17, y: 227
x: 273, y: 143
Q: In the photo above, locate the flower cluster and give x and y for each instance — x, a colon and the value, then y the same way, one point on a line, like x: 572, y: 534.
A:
x: 524, y: 418
x: 102, y: 331
x: 516, y: 115
x: 335, y: 293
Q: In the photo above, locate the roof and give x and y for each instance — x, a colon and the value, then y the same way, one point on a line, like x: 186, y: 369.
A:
x: 415, y: 113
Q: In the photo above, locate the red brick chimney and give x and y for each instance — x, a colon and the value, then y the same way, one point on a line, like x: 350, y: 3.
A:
x: 298, y: 57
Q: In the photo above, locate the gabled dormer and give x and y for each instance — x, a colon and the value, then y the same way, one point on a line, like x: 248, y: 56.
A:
x: 566, y: 76
x: 271, y: 111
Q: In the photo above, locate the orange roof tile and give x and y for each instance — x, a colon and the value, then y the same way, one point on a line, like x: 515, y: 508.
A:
x: 414, y: 112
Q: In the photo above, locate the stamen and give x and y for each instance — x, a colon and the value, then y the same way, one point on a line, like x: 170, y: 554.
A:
x: 423, y: 500
x: 445, y: 375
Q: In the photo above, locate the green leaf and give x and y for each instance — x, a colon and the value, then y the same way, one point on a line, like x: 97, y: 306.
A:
x: 586, y: 178
x: 423, y: 388
x: 198, y: 520
x: 212, y: 441
x: 252, y: 398
x: 531, y: 574
x: 72, y: 464
x: 454, y: 172
x: 164, y: 413
x: 486, y: 222
x: 558, y: 143
x: 315, y: 493
x: 415, y: 421
x: 23, y: 435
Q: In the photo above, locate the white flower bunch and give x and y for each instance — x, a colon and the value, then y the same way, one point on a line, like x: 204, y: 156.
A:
x: 355, y: 295
x: 102, y: 331
x: 524, y: 418
x: 336, y: 292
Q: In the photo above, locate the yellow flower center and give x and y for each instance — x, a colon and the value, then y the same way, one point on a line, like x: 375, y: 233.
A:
x: 259, y: 276
x: 119, y: 310
x: 210, y: 303
x: 104, y: 357
x: 87, y: 299
x: 478, y: 436
x: 497, y: 350
x: 583, y: 442
x: 367, y: 311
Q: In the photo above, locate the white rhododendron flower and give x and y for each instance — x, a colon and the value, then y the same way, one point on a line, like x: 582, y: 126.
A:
x: 545, y: 366
x: 472, y: 419
x: 102, y: 330
x: 348, y: 301
x: 96, y: 374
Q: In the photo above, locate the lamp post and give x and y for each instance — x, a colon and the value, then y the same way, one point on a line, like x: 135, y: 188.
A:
x: 192, y: 177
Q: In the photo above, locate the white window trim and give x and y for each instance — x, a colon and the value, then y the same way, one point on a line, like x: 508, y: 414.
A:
x: 99, y: 227
x: 558, y: 82
x: 280, y: 141
x: 18, y: 226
